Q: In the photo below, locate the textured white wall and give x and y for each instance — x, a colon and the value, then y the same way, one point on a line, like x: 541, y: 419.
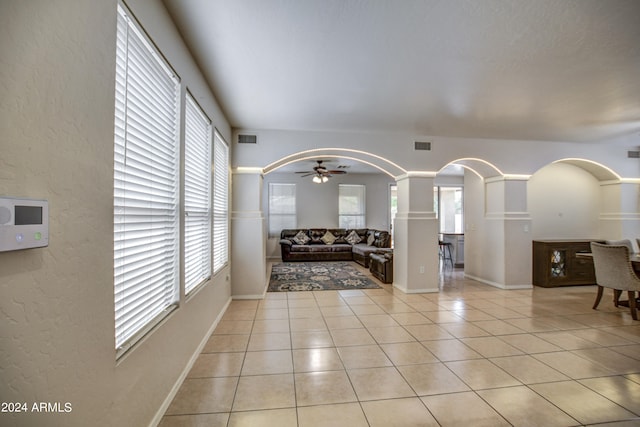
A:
x: 564, y: 203
x: 511, y: 157
x: 56, y: 303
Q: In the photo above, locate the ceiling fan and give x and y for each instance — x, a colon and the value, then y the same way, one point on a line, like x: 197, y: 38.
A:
x: 320, y: 173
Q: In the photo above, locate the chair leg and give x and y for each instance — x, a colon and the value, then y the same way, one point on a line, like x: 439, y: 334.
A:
x: 616, y: 296
x: 632, y: 304
x: 598, y: 297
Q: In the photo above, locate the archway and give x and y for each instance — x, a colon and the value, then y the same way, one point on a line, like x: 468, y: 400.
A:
x: 451, y: 203
x: 415, y: 259
x: 589, y: 200
x: 386, y: 166
x: 286, y: 186
x: 496, y: 225
x: 481, y: 168
x: 601, y: 172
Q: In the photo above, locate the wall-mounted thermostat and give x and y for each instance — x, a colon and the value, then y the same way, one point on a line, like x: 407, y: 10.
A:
x: 24, y: 224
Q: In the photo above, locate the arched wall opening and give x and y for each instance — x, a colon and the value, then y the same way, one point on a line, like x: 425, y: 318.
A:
x: 317, y: 204
x: 383, y: 165
x: 480, y: 167
x: 467, y: 239
x: 564, y: 202
x: 565, y: 199
x: 576, y: 198
x: 496, y: 209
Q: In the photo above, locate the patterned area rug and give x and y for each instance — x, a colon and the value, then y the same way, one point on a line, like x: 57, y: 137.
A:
x: 317, y: 276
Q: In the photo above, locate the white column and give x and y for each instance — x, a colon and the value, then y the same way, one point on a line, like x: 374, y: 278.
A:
x: 506, y: 212
x: 248, y: 236
x: 517, y: 232
x: 415, y: 258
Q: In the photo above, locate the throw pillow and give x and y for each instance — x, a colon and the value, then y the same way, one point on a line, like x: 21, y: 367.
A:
x: 370, y: 239
x: 328, y: 238
x: 353, y: 238
x: 301, y: 238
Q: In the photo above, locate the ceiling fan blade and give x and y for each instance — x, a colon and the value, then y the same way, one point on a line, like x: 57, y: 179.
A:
x: 304, y: 172
x: 308, y: 174
x: 337, y: 172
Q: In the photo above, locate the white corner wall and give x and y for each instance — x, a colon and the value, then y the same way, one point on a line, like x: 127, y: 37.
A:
x: 56, y: 303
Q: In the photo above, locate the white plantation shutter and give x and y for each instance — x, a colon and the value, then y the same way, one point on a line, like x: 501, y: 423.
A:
x: 146, y: 160
x: 282, y: 208
x: 220, y: 203
x: 351, y: 206
x: 197, y: 196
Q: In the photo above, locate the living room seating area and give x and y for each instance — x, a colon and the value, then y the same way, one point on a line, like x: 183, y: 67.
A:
x: 337, y: 244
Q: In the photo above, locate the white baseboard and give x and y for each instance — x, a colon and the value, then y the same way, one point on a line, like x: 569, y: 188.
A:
x: 174, y: 390
x: 496, y: 284
x: 243, y: 297
x: 415, y: 291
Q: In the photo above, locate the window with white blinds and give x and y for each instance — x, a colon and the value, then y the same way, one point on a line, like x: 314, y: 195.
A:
x: 282, y: 208
x: 197, y: 195
x: 146, y: 176
x: 351, y: 206
x: 220, y: 203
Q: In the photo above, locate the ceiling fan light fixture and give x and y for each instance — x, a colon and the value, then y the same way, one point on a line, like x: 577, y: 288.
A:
x: 320, y: 174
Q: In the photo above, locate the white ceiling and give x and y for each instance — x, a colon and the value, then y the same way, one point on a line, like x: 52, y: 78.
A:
x: 564, y: 70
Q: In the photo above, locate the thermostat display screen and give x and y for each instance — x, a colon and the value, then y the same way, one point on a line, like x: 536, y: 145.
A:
x: 28, y: 215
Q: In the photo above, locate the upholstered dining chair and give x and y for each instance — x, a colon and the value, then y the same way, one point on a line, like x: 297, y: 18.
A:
x: 623, y: 242
x: 628, y: 244
x: 615, y: 271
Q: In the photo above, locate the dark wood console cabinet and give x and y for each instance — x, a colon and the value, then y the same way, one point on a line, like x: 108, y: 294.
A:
x: 555, y: 263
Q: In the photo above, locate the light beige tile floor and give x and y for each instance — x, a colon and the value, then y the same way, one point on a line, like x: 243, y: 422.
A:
x: 469, y: 355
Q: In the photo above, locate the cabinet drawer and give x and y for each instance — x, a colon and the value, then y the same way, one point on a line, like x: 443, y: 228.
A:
x: 584, y: 274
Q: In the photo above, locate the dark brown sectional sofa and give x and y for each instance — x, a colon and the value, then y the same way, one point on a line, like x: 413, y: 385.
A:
x: 314, y: 244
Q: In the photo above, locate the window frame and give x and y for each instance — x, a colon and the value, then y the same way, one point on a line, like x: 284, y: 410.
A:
x: 439, y: 204
x: 221, y: 192
x: 359, y: 215
x: 288, y: 220
x: 197, y: 189
x: 146, y: 164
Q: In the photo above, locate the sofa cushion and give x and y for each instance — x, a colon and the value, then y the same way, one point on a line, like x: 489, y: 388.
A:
x: 301, y: 248
x: 353, y: 238
x: 362, y: 233
x: 371, y: 239
x: 339, y: 233
x: 316, y: 235
x: 328, y: 238
x: 321, y: 248
x: 301, y: 238
x: 363, y: 249
x: 340, y: 247
x: 289, y: 234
